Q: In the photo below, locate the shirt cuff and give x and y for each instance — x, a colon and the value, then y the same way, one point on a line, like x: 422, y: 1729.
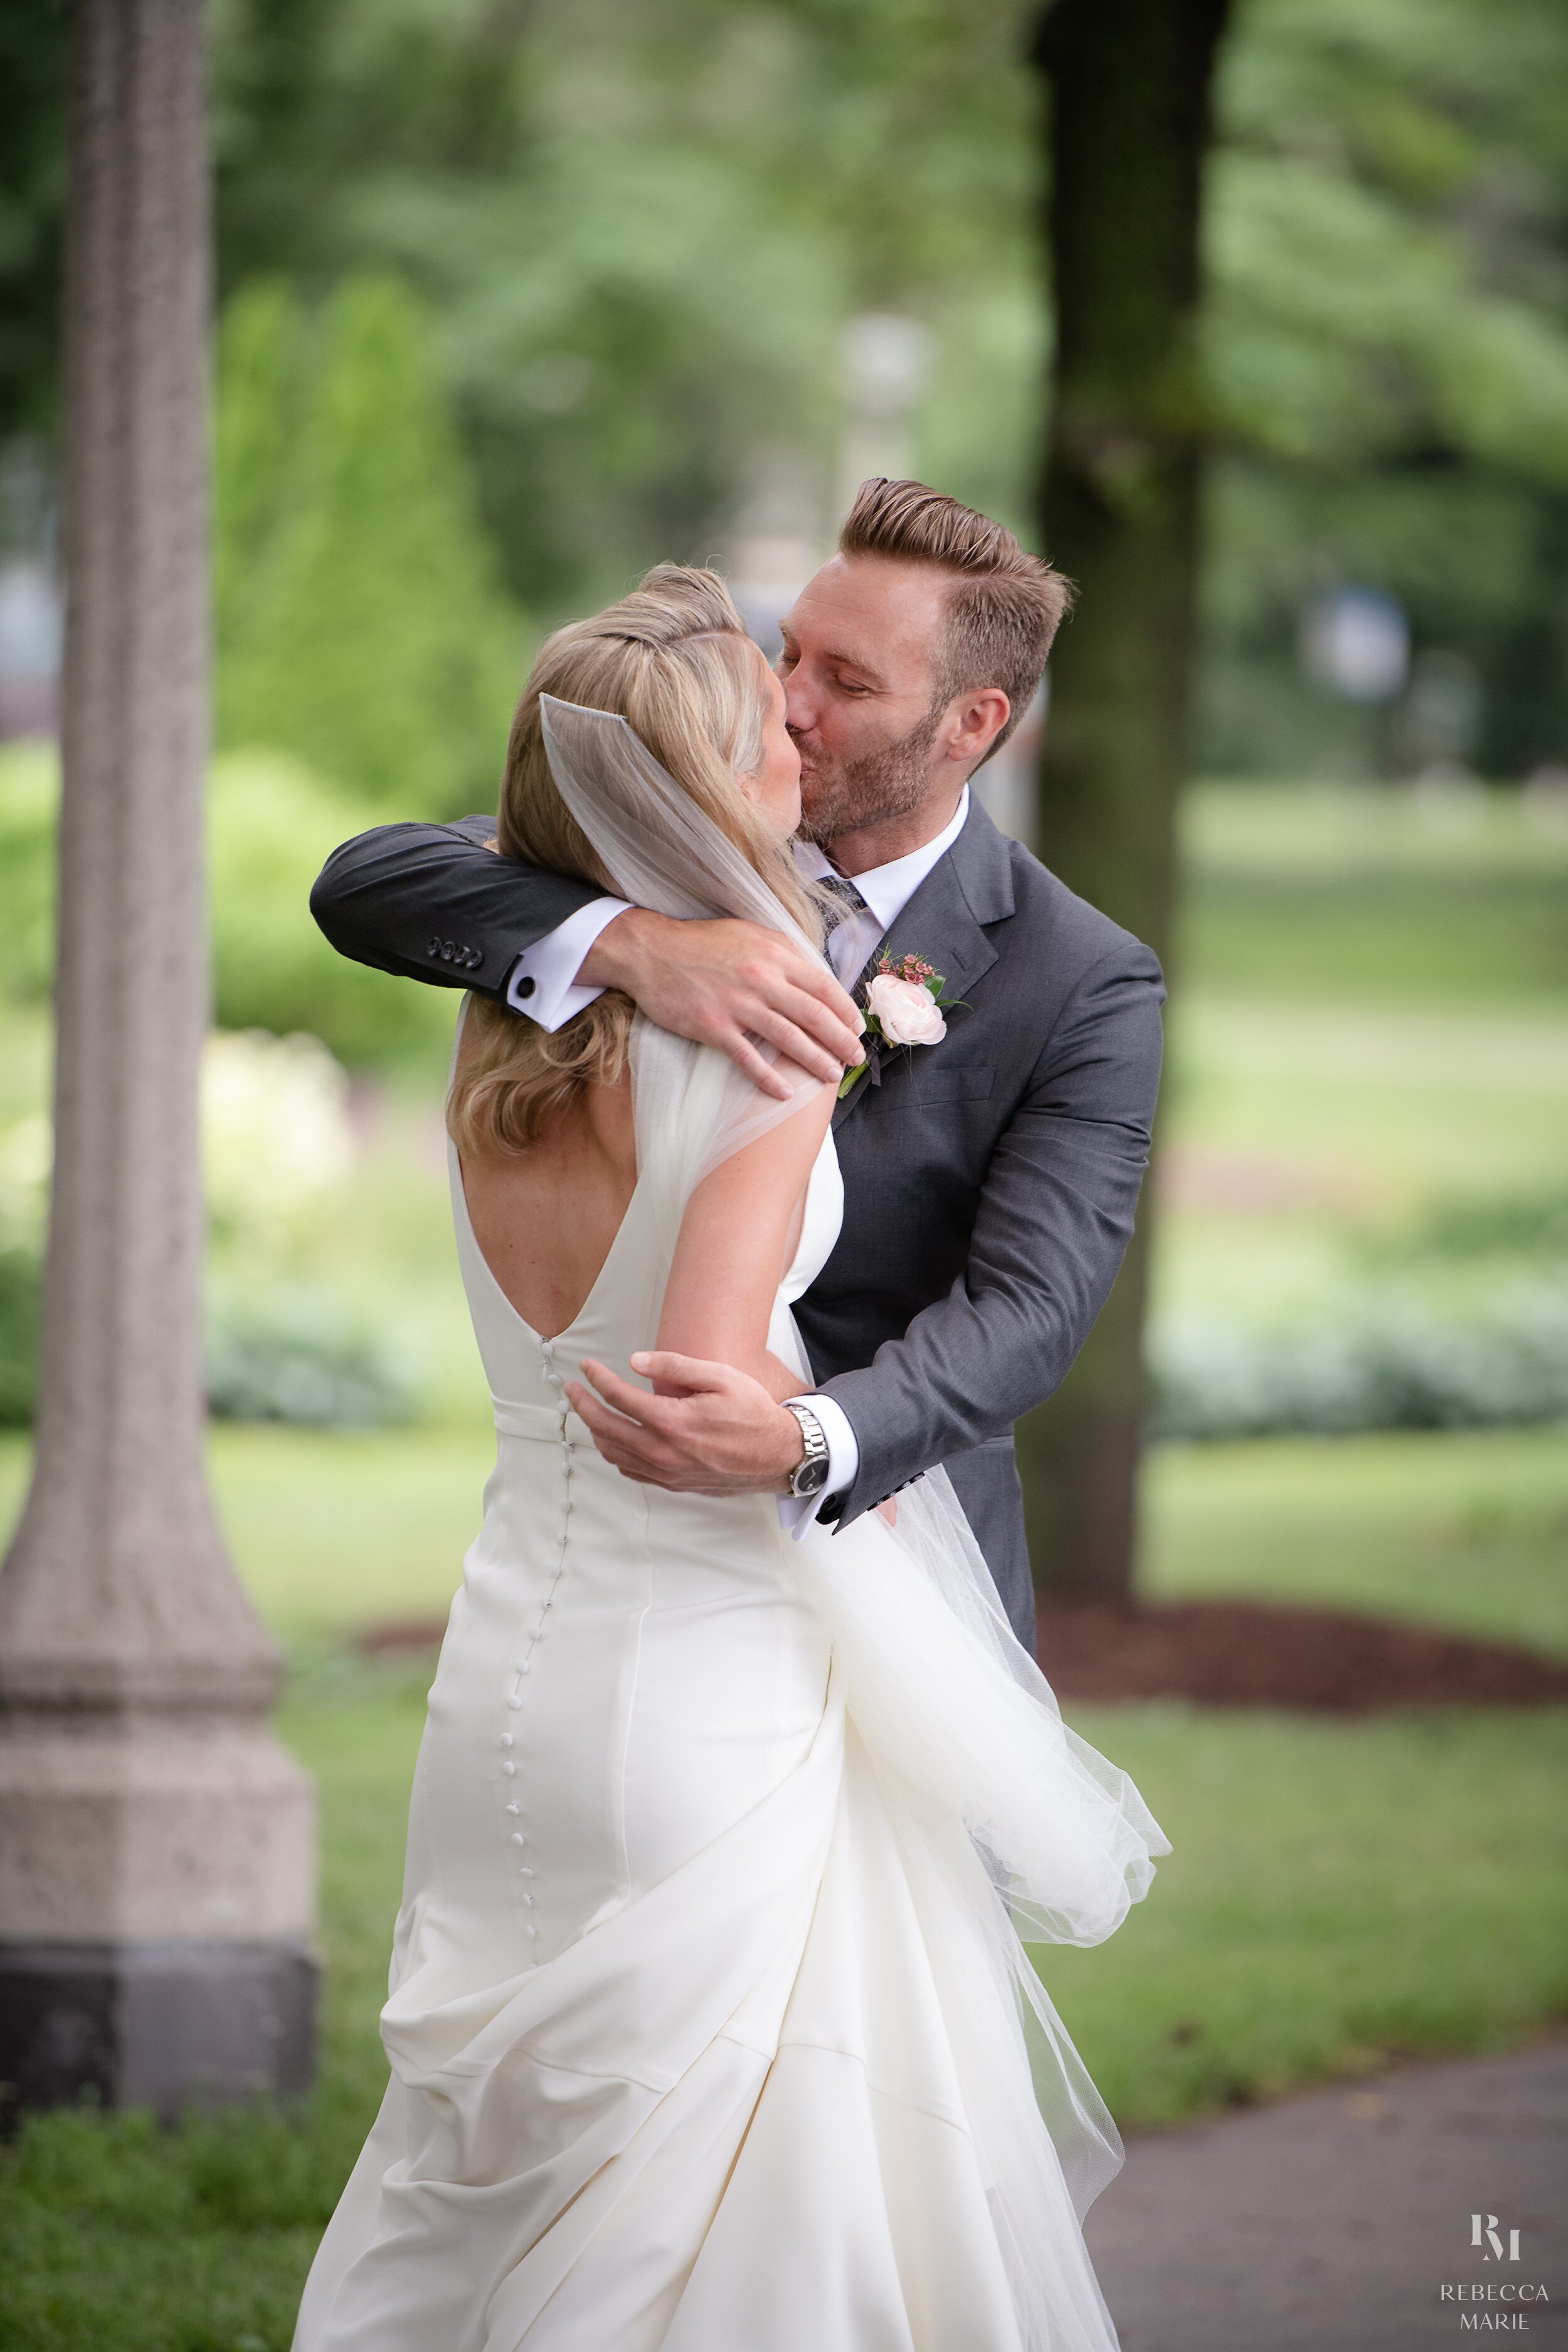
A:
x: 544, y: 981
x: 797, y: 1512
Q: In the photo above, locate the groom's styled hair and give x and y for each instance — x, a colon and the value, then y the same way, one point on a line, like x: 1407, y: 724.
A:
x: 1004, y: 604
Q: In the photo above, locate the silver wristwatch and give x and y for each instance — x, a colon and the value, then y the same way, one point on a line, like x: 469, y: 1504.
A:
x: 811, y: 1474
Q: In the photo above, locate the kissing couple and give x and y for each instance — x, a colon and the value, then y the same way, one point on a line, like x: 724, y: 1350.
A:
x: 796, y: 1128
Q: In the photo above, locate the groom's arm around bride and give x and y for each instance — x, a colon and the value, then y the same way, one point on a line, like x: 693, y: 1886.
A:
x: 991, y: 1176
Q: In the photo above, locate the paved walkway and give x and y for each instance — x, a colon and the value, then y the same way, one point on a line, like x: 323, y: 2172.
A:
x: 1331, y: 2222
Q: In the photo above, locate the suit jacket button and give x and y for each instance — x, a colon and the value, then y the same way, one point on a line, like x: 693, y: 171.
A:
x: 447, y: 951
x: 474, y: 959
x: 526, y: 986
x: 434, y: 948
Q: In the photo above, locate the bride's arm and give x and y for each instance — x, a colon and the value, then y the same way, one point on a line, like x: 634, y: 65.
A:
x: 740, y: 1232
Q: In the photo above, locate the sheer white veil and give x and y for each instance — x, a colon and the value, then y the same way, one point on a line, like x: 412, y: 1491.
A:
x: 660, y: 848
x: 662, y: 851
x: 1013, y: 1827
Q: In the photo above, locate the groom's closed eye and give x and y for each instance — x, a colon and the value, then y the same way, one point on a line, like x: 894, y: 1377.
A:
x: 850, y: 674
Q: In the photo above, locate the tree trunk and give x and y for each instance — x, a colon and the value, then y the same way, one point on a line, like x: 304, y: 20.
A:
x: 156, y: 1844
x: 1130, y: 87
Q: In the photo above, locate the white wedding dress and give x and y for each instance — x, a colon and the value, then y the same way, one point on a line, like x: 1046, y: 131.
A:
x: 708, y: 2023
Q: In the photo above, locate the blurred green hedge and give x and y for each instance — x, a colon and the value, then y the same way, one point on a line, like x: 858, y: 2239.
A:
x: 271, y: 824
x: 359, y: 621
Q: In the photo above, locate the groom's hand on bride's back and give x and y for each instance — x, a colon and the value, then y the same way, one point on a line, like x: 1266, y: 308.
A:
x: 728, y: 984
x: 707, y: 1430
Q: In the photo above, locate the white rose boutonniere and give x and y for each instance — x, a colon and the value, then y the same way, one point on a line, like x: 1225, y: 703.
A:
x: 903, y: 1007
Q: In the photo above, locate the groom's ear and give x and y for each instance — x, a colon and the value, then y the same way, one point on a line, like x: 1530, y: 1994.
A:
x: 972, y: 722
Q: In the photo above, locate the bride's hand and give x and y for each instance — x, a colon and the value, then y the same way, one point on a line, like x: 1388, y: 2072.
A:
x: 726, y: 984
x: 710, y: 1431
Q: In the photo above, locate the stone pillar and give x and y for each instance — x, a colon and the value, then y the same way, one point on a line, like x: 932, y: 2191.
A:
x: 156, y: 1843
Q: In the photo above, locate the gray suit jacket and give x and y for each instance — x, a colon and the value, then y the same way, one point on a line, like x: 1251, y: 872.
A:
x: 990, y: 1181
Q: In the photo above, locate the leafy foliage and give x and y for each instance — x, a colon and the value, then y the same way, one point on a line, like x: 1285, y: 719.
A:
x: 271, y: 825
x: 642, y: 228
x: 296, y: 1356
x: 32, y: 189
x: 1388, y: 347
x: 19, y: 1288
x: 1381, y: 1359
x: 359, y: 624
x: 638, y: 230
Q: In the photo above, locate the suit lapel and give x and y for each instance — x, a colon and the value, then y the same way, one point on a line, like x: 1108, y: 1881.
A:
x: 942, y: 924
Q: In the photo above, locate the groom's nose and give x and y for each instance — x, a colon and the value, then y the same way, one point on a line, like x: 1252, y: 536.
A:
x: 800, y: 706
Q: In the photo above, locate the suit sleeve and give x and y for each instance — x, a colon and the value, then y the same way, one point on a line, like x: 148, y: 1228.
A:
x: 430, y: 902
x: 1054, y: 1218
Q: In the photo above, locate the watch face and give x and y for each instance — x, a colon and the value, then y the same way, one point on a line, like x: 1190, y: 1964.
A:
x: 811, y: 1477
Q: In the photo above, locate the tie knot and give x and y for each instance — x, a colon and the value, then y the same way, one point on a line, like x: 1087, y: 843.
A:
x: 839, y: 887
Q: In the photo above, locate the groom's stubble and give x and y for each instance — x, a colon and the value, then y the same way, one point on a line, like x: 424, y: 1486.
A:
x: 846, y: 796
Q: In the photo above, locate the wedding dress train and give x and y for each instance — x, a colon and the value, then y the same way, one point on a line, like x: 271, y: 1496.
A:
x: 709, y: 2022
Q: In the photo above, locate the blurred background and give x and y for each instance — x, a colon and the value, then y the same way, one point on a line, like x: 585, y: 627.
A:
x: 517, y: 297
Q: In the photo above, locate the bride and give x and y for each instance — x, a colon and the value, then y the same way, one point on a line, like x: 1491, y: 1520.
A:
x: 710, y: 2023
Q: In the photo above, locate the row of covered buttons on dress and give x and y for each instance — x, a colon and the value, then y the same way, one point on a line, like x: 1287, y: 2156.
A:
x: 524, y: 1665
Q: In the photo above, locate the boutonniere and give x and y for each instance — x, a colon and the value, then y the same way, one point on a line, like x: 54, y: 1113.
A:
x: 902, y: 1007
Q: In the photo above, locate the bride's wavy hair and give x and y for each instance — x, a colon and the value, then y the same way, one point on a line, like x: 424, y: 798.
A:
x: 674, y: 660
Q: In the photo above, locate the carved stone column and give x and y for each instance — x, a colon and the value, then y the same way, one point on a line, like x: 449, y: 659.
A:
x: 156, y: 1843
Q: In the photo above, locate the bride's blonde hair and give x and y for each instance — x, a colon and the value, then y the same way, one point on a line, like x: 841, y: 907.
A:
x: 674, y: 660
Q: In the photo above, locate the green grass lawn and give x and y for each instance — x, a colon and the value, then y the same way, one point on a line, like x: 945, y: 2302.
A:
x: 1466, y: 1530
x: 1338, y: 1894
x: 1352, y: 895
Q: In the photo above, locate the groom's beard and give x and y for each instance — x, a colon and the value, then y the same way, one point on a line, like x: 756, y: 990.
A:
x: 885, y: 783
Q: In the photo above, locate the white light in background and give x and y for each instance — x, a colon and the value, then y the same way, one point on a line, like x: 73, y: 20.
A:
x: 886, y: 361
x: 30, y: 630
x: 777, y: 541
x: 1356, y: 642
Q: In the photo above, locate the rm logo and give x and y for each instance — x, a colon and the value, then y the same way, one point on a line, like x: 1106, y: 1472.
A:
x: 1491, y: 2249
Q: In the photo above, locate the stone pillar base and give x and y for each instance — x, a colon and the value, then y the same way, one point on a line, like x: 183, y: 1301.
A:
x: 153, y: 2026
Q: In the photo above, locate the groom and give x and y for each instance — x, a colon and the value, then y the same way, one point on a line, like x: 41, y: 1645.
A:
x: 990, y: 1178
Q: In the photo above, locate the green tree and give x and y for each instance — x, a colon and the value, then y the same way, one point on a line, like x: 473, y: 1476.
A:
x: 32, y: 200
x: 1130, y: 84
x: 360, y: 624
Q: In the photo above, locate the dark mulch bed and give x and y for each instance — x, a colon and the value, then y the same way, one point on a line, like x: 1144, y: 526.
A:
x: 1241, y: 1653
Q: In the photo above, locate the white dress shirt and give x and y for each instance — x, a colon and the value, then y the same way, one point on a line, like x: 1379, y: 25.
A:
x: 544, y: 985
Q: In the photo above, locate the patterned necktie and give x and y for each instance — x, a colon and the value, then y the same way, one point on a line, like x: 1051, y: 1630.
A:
x: 846, y: 900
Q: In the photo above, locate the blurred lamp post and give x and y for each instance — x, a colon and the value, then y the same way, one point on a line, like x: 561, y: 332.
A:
x: 156, y: 1843
x: 885, y: 362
